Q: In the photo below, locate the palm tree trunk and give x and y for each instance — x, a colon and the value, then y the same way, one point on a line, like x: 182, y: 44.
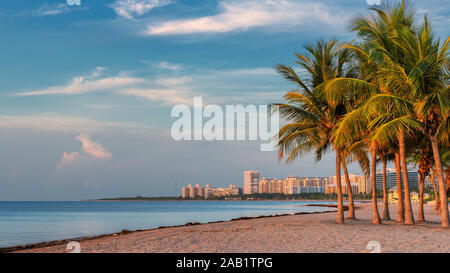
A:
x: 421, y: 214
x: 409, y: 216
x: 436, y: 196
x: 340, y: 212
x: 386, y: 215
x: 442, y: 188
x: 401, y: 211
x: 375, y: 215
x: 351, y: 206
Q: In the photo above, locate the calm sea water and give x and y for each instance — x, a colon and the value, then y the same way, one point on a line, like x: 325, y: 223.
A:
x: 32, y: 222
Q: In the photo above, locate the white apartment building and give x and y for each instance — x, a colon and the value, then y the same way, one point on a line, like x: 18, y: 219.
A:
x: 251, y: 182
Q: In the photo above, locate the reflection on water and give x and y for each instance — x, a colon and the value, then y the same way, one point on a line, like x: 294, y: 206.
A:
x: 31, y: 222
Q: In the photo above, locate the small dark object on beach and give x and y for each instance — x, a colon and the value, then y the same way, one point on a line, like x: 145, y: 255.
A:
x: 192, y: 224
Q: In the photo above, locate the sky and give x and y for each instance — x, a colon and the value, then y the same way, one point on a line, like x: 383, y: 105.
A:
x: 87, y: 89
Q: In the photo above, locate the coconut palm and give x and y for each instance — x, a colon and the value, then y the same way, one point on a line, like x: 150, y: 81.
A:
x: 387, y: 113
x: 385, y: 156
x: 310, y: 118
x: 424, y: 74
x: 355, y: 152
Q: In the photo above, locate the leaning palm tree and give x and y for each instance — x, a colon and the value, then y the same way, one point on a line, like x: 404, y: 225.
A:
x: 310, y: 118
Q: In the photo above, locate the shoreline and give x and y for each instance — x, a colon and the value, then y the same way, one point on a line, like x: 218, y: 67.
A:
x: 307, y: 233
x: 125, y: 232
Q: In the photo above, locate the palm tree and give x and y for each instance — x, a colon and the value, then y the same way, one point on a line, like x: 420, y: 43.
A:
x: 385, y: 156
x: 401, y: 205
x: 310, y: 117
x: 426, y: 77
x: 355, y: 152
x: 422, y: 156
x: 387, y: 113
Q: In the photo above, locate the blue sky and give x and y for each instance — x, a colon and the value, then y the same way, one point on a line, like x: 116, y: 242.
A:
x: 86, y: 90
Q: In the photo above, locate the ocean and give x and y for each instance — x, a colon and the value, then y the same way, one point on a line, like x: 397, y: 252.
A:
x: 34, y: 222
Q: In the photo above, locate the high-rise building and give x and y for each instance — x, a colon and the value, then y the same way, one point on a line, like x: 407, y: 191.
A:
x: 185, y: 192
x: 251, y: 182
x: 192, y: 191
x: 293, y: 185
x: 359, y: 184
x: 391, y: 179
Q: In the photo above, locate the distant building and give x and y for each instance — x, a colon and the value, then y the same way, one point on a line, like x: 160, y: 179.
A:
x: 391, y: 179
x: 332, y: 188
x: 359, y: 184
x: 185, y: 192
x: 251, y: 182
x: 208, y: 192
x: 293, y: 185
x: 232, y: 190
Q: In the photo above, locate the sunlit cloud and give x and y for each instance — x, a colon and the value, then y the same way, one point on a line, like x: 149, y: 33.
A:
x: 89, y: 150
x: 85, y: 84
x: 240, y: 15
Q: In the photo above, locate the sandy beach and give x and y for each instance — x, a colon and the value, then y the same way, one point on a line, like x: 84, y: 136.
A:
x: 293, y: 233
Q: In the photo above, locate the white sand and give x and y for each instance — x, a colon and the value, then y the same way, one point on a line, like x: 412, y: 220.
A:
x: 297, y: 233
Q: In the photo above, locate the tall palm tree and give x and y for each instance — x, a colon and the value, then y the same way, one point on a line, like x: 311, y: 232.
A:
x: 310, y: 117
x: 386, y: 113
x: 421, y: 156
x: 354, y: 152
x: 401, y: 204
x: 385, y: 156
x: 425, y: 71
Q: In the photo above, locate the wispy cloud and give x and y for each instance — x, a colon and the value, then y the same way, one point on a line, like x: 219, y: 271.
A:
x: 167, y: 66
x: 60, y: 123
x: 166, y: 96
x: 48, y: 10
x: 57, y: 9
x: 130, y: 8
x: 89, y: 150
x: 161, y: 89
x: 85, y: 84
x: 241, y: 15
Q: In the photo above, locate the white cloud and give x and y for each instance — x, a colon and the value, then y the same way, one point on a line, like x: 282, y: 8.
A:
x: 168, y: 66
x: 166, y: 96
x: 90, y: 150
x: 259, y: 71
x: 130, y: 8
x: 159, y: 89
x: 48, y: 10
x: 240, y: 15
x: 373, y: 2
x: 173, y: 81
x: 59, y: 123
x: 85, y: 84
